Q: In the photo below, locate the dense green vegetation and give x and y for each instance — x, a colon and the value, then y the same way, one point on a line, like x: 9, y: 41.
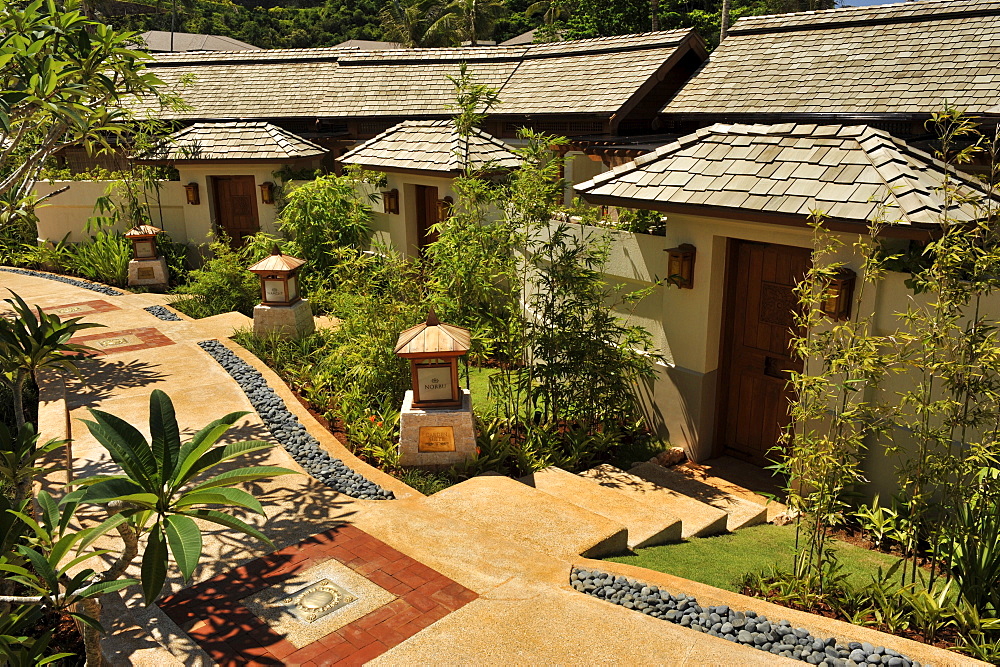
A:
x: 314, y: 23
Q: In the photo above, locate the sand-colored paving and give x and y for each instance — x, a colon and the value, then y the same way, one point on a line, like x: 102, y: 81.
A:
x: 519, y: 608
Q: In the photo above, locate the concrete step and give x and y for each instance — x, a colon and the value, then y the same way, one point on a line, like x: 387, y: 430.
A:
x: 738, y: 478
x: 741, y: 512
x: 519, y: 512
x: 646, y: 525
x: 697, y: 518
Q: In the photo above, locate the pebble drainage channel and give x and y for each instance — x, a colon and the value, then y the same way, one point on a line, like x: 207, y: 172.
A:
x: 746, y: 628
x: 93, y: 287
x: 163, y: 313
x: 289, y: 431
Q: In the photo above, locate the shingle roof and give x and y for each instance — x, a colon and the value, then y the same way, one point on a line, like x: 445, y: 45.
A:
x: 907, y: 58
x: 594, y: 76
x: 160, y: 40
x: 845, y: 171
x: 430, y: 146
x: 239, y: 140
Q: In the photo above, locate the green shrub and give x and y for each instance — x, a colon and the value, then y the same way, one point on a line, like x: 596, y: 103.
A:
x: 222, y: 285
x: 325, y: 214
x: 103, y: 259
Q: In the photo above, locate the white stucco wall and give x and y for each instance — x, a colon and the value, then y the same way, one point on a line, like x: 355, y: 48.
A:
x: 399, y: 231
x: 200, y: 219
x: 67, y: 212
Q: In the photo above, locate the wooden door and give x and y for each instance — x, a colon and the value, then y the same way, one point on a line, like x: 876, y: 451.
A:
x: 756, y: 359
x: 236, y: 207
x: 427, y: 215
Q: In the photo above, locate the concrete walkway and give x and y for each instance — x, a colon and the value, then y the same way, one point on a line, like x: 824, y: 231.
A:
x: 434, y: 589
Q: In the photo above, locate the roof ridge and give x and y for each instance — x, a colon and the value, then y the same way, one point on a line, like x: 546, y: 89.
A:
x: 898, y: 12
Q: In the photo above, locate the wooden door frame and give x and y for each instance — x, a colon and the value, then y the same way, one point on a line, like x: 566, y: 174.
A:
x: 725, y: 344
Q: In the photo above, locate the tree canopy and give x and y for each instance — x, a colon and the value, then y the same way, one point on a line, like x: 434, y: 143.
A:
x: 62, y: 76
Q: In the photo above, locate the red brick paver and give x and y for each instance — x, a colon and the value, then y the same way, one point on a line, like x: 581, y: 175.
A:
x: 214, y: 616
x: 149, y: 336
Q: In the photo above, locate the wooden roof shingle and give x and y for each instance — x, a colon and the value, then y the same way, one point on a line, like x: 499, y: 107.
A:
x: 434, y: 145
x: 592, y: 76
x: 849, y: 172
x: 236, y: 140
x: 909, y: 58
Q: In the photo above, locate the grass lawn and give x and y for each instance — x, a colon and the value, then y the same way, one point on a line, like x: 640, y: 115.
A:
x: 479, y: 386
x: 722, y: 560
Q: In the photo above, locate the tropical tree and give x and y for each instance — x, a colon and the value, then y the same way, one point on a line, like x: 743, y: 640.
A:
x: 29, y: 342
x: 408, y: 23
x: 165, y: 486
x: 64, y: 79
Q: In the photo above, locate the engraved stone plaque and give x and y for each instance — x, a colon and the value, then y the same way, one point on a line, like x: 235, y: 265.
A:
x: 146, y: 273
x: 117, y: 341
x: 317, y: 600
x: 69, y: 310
x: 436, y: 439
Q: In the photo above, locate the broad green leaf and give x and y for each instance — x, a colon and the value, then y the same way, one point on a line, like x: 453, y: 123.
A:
x: 225, y: 453
x: 87, y: 620
x: 154, y: 565
x: 126, y: 445
x: 184, y: 540
x: 221, y: 496
x: 102, y: 587
x: 230, y: 522
x: 106, y: 526
x: 109, y: 490
x: 240, y: 475
x: 41, y: 566
x: 166, y: 435
x: 50, y: 512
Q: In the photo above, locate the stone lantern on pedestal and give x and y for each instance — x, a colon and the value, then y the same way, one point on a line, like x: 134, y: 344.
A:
x: 436, y: 426
x: 146, y: 268
x: 281, y: 310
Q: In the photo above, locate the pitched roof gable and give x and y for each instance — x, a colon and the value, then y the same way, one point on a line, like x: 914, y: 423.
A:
x: 846, y: 171
x: 908, y: 58
x: 591, y: 76
x: 239, y: 140
x: 430, y: 146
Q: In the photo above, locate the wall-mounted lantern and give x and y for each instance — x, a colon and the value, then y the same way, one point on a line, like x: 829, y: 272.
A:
x: 390, y: 201
x: 143, y: 238
x: 279, y: 285
x: 839, y: 294
x: 444, y: 207
x: 191, y: 190
x: 267, y: 192
x: 433, y: 349
x: 680, y: 265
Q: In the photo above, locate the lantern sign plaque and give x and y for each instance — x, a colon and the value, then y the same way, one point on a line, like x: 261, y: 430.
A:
x: 436, y: 423
x: 281, y: 310
x: 146, y: 268
x: 433, y: 350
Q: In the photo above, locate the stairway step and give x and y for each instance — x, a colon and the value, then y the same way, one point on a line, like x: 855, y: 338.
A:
x: 741, y: 512
x: 697, y: 518
x: 517, y: 511
x: 721, y: 472
x: 646, y: 526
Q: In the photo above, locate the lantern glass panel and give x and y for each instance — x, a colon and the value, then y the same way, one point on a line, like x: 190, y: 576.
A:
x: 145, y: 249
x: 293, y: 288
x: 434, y: 382
x: 274, y: 290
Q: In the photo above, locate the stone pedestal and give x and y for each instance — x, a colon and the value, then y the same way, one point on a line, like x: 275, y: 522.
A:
x: 290, y: 321
x: 437, y: 437
x: 148, y: 273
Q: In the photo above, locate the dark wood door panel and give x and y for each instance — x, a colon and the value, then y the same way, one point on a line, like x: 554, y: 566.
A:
x: 756, y: 357
x: 236, y: 207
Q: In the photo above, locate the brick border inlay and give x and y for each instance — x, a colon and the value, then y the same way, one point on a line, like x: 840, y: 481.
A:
x: 89, y: 308
x: 150, y: 337
x: 213, y: 615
